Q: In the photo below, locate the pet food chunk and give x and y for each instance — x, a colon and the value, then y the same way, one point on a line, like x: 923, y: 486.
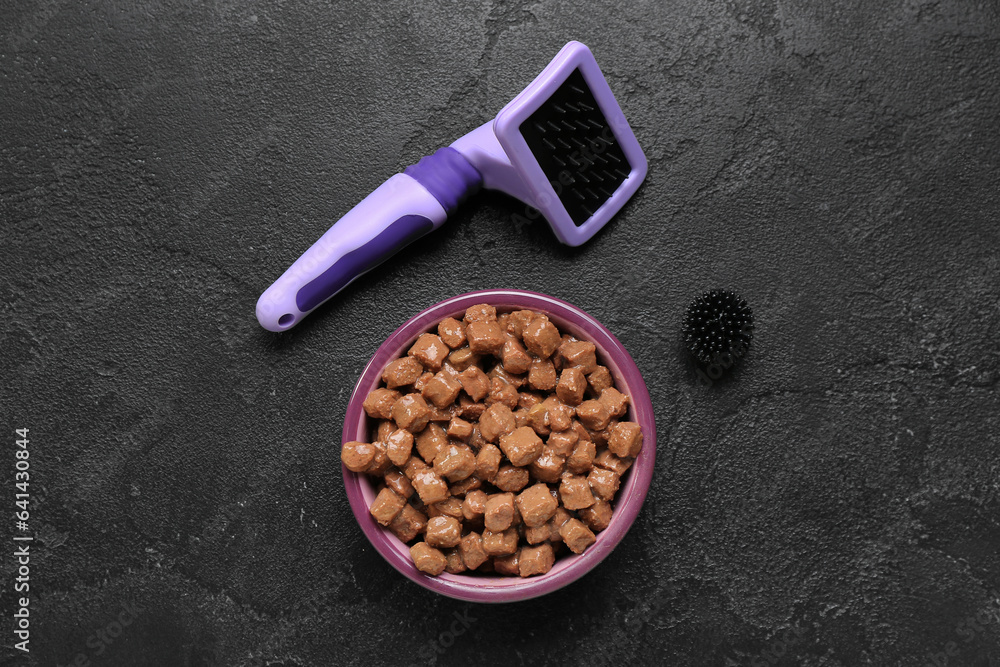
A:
x: 443, y: 414
x: 481, y: 312
x: 413, y: 466
x: 455, y: 462
x: 443, y: 531
x: 560, y: 415
x: 625, y: 439
x: 548, y: 467
x: 474, y: 505
x: 563, y: 442
x: 536, y: 505
x: 537, y: 534
x: 476, y: 440
x: 497, y: 420
x: 411, y: 412
x: 402, y: 372
x: 485, y: 337
x: 428, y: 559
x: 511, y: 478
x: 507, y: 565
x: 571, y: 386
x: 515, y: 359
x: 600, y: 438
x: 541, y: 337
x: 357, y: 456
x: 475, y: 383
x: 379, y: 403
x: 469, y: 409
x: 455, y: 563
x: 409, y: 523
x: 576, y: 535
x: 461, y: 488
x: 384, y: 428
x: 542, y: 375
x: 500, y: 544
x: 615, y: 401
x: 604, y: 483
x: 597, y: 516
x: 430, y: 351
x: 459, y: 429
x: 527, y: 400
x: 600, y: 379
x: 471, y: 548
x: 398, y: 482
x: 535, y: 560
x: 522, y: 446
x: 449, y: 507
x: 386, y: 506
x: 582, y: 458
x: 538, y: 419
x: 575, y: 493
x: 580, y: 354
x: 380, y: 463
x: 516, y: 380
x: 580, y: 430
x: 430, y: 442
x: 499, y: 513
x: 558, y: 519
x: 593, y: 414
x: 452, y: 332
x: 609, y: 461
x: 502, y: 392
x: 442, y: 389
x: 422, y: 381
x: 429, y: 486
x: 449, y: 369
x: 463, y: 358
x: 519, y: 321
x: 488, y: 462
x: 399, y: 446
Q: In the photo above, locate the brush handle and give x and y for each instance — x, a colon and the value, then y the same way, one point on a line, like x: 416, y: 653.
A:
x: 397, y: 213
x: 401, y: 210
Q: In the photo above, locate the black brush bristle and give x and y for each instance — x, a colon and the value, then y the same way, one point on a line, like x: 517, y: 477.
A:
x: 718, y: 323
x: 576, y: 148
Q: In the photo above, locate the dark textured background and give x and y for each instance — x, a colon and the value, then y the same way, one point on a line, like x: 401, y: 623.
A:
x: 835, y: 502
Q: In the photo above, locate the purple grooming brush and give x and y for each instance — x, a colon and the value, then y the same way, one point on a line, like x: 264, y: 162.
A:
x: 562, y: 146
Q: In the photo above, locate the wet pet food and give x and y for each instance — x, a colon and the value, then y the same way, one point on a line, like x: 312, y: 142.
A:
x: 498, y: 445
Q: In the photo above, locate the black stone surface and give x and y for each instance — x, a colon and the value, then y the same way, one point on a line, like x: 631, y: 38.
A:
x: 833, y: 502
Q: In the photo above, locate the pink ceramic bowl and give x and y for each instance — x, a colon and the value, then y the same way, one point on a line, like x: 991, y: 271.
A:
x: 486, y: 588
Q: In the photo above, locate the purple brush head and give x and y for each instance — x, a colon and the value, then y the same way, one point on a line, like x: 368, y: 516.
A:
x: 562, y: 146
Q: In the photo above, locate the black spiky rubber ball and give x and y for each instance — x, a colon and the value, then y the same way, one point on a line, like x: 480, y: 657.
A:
x: 718, y: 327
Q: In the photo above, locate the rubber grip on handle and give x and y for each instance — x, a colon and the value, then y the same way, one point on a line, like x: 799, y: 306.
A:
x: 398, y: 212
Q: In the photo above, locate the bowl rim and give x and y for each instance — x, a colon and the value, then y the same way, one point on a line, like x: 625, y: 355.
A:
x: 630, y: 498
